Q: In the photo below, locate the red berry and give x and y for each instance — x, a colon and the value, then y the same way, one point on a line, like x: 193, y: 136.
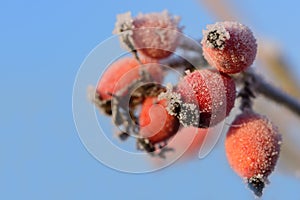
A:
x: 122, y: 73
x: 156, y: 35
x: 211, y: 91
x: 252, y: 148
x: 155, y: 122
x: 229, y: 46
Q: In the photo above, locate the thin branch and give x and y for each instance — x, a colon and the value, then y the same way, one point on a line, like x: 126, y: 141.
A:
x: 273, y: 93
x: 176, y: 62
x: 185, y: 61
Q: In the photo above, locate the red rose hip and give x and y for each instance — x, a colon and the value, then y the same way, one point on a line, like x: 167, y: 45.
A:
x: 156, y: 35
x: 212, y: 92
x: 252, y: 148
x: 122, y: 73
x: 155, y: 123
x: 229, y: 46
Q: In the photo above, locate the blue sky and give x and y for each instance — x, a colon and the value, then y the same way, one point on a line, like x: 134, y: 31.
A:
x: 43, y: 44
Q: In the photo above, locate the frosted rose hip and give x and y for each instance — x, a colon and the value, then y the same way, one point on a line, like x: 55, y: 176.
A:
x: 156, y: 34
x: 229, y: 46
x: 155, y: 122
x: 252, y: 148
x: 123, y: 72
x: 212, y: 92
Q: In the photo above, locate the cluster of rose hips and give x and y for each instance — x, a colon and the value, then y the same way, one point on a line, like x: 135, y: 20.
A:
x: 131, y: 91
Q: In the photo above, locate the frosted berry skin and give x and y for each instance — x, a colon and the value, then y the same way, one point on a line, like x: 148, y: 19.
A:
x: 120, y: 74
x: 252, y: 148
x: 213, y: 93
x: 155, y: 122
x: 229, y: 46
x: 156, y: 35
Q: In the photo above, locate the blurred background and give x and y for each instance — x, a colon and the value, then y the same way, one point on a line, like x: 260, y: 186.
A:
x: 42, y: 45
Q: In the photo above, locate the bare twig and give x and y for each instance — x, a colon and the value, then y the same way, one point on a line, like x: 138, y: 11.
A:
x: 176, y: 62
x: 185, y: 61
x: 274, y: 93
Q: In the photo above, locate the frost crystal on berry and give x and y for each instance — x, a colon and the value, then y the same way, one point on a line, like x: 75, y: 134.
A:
x: 173, y: 100
x: 123, y: 23
x: 189, y: 115
x: 216, y: 35
x: 124, y: 26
